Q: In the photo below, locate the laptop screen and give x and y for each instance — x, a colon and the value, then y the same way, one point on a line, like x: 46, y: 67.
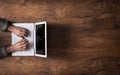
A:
x: 40, y: 39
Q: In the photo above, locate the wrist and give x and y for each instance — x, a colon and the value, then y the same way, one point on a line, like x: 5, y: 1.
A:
x: 10, y: 28
x: 9, y: 49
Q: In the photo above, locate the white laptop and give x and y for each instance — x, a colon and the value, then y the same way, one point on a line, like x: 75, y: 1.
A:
x: 37, y: 38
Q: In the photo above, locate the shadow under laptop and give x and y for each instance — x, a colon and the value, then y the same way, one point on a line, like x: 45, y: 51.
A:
x: 58, y: 40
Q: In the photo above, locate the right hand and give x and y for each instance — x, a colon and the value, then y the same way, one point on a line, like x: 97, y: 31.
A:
x: 19, y: 46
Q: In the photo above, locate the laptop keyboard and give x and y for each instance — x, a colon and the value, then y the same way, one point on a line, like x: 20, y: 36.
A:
x: 30, y: 38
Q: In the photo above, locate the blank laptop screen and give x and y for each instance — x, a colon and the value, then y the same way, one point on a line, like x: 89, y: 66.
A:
x: 40, y: 39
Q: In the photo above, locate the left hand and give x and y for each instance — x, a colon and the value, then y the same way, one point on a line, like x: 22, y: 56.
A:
x: 19, y: 31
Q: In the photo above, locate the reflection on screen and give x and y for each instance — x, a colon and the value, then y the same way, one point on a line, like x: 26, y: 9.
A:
x: 40, y: 39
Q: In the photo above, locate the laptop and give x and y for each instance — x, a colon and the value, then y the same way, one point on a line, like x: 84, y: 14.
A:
x: 37, y: 39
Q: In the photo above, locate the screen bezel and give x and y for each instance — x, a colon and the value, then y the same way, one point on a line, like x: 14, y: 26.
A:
x: 39, y: 55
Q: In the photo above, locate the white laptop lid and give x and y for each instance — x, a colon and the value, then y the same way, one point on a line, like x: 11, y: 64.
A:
x: 40, y: 39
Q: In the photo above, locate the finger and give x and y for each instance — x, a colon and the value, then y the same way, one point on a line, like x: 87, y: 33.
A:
x: 22, y: 33
x: 27, y: 33
x: 25, y: 40
x: 20, y: 36
x: 24, y: 43
x: 22, y: 29
x: 24, y: 47
x: 27, y: 43
x: 27, y: 46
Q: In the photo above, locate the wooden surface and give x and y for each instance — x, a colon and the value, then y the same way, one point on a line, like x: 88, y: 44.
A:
x: 83, y: 37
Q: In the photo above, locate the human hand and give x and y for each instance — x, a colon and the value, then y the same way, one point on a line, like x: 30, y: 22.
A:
x: 19, y: 46
x: 19, y: 31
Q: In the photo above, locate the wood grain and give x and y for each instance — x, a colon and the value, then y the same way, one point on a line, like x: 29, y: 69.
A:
x: 83, y: 37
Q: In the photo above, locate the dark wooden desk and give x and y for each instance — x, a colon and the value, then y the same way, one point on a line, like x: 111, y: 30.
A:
x: 83, y: 37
